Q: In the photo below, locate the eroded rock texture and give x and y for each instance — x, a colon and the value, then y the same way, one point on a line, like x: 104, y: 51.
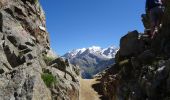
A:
x: 24, y: 42
x: 142, y: 69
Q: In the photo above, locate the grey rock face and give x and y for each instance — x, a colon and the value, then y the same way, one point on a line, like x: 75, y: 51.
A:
x: 20, y: 70
x: 67, y: 86
x: 23, y: 42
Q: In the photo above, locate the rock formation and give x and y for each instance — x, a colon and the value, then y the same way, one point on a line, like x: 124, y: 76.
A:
x: 26, y: 70
x: 142, y: 69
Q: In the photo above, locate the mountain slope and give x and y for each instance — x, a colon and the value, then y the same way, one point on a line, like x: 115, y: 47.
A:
x: 92, y: 60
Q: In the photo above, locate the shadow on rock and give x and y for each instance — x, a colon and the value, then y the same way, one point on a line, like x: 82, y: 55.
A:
x: 98, y: 88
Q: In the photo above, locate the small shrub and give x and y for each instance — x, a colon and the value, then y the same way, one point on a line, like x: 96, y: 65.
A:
x: 48, y: 59
x: 48, y: 79
x: 36, y: 1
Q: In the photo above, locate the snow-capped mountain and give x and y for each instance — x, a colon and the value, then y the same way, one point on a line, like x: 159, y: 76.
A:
x: 92, y: 60
x: 105, y: 53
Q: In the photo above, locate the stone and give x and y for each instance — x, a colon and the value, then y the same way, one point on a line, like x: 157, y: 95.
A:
x: 130, y: 45
x: 42, y: 28
x: 146, y: 57
x: 146, y: 21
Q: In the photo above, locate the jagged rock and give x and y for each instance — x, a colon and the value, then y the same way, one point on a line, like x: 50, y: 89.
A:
x: 67, y: 87
x: 26, y: 15
x: 146, y: 21
x: 22, y: 46
x: 146, y: 57
x: 66, y: 67
x: 145, y: 75
x: 26, y: 82
x: 52, y: 54
x: 131, y: 45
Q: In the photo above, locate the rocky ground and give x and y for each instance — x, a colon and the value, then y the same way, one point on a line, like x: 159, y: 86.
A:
x: 27, y: 71
x: 142, y: 69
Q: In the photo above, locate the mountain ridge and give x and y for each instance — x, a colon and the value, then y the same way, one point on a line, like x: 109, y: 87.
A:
x: 92, y: 59
x: 106, y: 52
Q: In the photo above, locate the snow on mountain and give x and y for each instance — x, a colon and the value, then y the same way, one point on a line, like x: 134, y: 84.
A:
x: 92, y: 60
x: 110, y: 52
x: 74, y: 53
x: 106, y: 52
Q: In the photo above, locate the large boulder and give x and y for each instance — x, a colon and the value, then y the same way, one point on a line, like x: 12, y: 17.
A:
x: 131, y: 45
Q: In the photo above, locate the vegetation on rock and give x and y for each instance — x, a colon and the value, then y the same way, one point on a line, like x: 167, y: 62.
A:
x: 48, y: 59
x: 49, y: 79
x: 36, y: 1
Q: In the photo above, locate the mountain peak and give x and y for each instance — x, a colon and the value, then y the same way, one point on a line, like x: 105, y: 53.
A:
x: 106, y: 52
x: 95, y: 48
x: 92, y: 59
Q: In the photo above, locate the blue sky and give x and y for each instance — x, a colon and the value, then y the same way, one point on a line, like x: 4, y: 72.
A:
x: 83, y: 23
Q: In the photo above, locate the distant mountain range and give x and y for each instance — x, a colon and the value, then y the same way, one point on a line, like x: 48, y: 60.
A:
x: 92, y: 60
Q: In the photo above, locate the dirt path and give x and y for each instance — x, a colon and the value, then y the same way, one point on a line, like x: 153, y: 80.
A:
x: 86, y: 90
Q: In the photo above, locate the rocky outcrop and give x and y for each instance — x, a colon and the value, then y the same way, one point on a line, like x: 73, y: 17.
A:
x: 67, y: 85
x: 142, y: 66
x: 24, y: 44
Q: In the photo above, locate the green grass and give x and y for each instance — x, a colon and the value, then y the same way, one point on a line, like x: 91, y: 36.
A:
x: 49, y: 79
